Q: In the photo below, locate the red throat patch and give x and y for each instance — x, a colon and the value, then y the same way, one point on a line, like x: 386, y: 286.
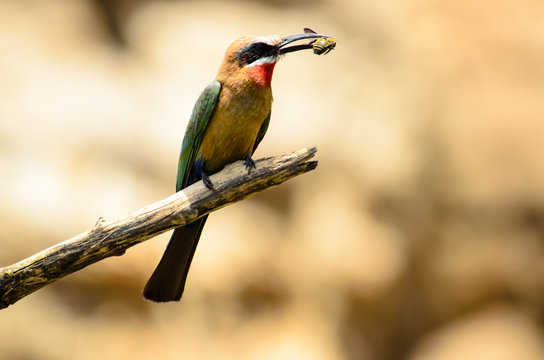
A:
x: 262, y: 73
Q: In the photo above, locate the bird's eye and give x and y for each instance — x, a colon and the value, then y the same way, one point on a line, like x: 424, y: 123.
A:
x: 256, y: 51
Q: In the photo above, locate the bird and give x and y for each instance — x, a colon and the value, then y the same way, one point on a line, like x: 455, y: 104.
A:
x: 228, y: 121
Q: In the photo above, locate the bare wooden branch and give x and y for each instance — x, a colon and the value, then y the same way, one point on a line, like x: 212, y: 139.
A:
x: 112, y: 238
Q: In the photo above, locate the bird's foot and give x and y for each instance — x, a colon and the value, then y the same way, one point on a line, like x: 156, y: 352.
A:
x: 207, y: 182
x: 199, y: 169
x: 250, y: 164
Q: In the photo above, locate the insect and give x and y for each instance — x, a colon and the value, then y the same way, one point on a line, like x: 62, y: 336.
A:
x: 322, y: 45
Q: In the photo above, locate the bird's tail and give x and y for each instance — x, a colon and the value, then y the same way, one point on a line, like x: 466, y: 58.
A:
x: 168, y: 280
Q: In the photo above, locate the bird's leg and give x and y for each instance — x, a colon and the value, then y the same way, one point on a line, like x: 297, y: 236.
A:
x: 250, y: 164
x: 199, y: 168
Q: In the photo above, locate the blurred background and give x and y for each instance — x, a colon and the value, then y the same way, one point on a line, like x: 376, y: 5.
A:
x: 419, y: 236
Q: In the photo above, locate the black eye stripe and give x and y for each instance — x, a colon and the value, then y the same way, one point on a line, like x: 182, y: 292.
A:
x: 256, y: 51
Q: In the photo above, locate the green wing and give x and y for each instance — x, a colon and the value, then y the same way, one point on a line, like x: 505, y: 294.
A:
x: 202, y: 112
x: 262, y: 131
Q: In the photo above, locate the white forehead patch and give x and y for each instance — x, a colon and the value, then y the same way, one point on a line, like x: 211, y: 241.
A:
x: 270, y: 39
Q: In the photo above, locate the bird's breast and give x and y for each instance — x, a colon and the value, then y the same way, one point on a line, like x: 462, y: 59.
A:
x: 234, y: 126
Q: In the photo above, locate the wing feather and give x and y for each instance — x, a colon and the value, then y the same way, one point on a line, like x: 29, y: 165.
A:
x: 202, y: 112
x: 262, y: 131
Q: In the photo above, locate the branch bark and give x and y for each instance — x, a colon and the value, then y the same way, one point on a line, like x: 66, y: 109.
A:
x: 112, y: 238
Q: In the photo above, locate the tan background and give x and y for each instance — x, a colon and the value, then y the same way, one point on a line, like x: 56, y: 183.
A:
x: 420, y: 235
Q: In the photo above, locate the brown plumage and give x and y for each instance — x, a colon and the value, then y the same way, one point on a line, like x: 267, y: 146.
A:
x: 244, y: 103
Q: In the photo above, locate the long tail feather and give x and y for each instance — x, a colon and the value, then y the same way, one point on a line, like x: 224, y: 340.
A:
x: 168, y: 280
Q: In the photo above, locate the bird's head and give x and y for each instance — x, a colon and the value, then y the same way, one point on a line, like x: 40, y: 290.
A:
x: 253, y: 57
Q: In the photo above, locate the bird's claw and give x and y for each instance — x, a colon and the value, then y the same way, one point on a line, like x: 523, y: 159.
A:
x: 250, y: 164
x: 207, y: 182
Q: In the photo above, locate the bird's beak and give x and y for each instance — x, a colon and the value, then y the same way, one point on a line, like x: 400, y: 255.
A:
x: 291, y: 38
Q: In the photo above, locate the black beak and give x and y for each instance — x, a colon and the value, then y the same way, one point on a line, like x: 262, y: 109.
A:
x: 291, y: 38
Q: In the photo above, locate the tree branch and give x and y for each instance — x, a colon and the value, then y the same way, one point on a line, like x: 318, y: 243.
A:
x: 112, y: 238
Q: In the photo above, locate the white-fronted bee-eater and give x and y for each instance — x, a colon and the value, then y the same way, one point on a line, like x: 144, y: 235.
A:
x: 227, y: 124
